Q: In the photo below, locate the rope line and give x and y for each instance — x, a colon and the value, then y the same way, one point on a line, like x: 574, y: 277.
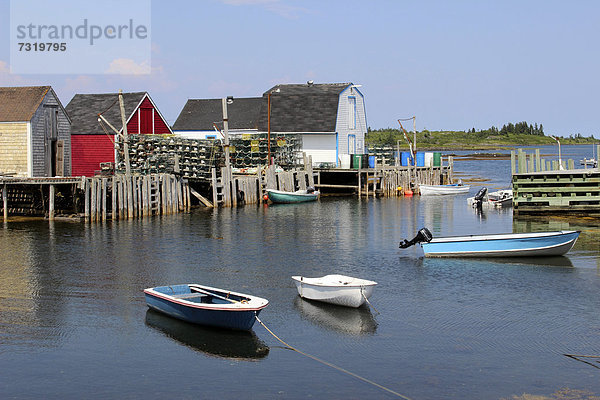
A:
x: 330, y: 364
x: 369, y: 303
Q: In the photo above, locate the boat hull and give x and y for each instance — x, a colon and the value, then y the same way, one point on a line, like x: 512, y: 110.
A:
x: 538, y: 244
x: 441, y: 190
x: 351, y: 295
x: 220, y: 314
x: 278, y: 196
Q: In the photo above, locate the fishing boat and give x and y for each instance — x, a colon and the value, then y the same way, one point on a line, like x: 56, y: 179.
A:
x: 206, y: 305
x: 497, y: 199
x: 335, y: 289
x: 437, y: 190
x: 495, y: 245
x: 299, y: 196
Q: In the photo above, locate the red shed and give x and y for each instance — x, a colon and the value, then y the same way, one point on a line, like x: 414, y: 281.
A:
x: 90, y: 144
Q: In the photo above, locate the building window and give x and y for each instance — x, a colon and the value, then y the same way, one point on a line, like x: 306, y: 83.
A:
x: 351, y: 112
x: 351, y: 144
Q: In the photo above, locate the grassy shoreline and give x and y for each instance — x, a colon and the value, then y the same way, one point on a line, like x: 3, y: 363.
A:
x: 468, y: 141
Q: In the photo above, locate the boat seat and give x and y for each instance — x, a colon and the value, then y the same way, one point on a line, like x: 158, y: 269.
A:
x: 189, y: 295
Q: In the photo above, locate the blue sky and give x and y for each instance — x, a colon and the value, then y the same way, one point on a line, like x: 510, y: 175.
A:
x: 454, y: 64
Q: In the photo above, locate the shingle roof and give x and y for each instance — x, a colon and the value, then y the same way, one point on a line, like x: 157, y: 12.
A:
x: 200, y: 114
x: 302, y: 107
x: 18, y: 104
x: 84, y: 109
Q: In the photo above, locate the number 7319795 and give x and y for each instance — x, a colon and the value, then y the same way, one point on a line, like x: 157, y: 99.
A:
x: 47, y: 46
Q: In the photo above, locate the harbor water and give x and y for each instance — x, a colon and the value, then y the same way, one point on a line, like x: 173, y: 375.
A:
x: 74, y: 323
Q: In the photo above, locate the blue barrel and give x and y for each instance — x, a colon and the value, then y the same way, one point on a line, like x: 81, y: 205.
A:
x: 420, y: 159
x: 406, y: 158
x: 372, y: 161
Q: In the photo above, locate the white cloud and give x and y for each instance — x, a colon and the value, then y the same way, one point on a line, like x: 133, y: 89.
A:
x: 8, y: 79
x: 126, y: 66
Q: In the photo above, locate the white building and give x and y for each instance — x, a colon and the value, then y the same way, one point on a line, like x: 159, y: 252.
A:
x: 330, y: 117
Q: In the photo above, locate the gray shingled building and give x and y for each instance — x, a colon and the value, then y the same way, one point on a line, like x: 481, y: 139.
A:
x: 330, y: 118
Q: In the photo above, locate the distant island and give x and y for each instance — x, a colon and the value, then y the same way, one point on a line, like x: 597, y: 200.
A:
x: 517, y: 134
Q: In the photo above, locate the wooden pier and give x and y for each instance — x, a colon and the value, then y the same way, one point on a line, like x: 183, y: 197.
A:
x: 96, y: 199
x: 230, y: 190
x: 541, y: 187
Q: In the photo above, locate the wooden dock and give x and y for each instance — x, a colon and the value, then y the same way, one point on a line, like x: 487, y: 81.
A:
x: 541, y: 187
x: 96, y: 199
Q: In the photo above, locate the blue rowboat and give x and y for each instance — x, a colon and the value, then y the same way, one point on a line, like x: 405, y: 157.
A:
x: 299, y: 196
x: 541, y: 244
x: 206, y: 305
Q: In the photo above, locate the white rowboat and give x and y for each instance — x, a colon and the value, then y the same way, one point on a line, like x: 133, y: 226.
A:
x: 437, y: 190
x: 335, y: 289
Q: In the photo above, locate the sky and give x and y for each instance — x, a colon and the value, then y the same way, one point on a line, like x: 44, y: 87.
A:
x: 455, y: 65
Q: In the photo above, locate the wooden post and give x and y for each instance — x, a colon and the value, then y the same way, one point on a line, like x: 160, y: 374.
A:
x: 144, y: 196
x: 513, y: 167
x: 113, y: 202
x: 122, y: 202
x: 129, y: 179
x: 537, y: 160
x: 86, y: 206
x: 259, y: 177
x: 213, y: 173
x: 187, y: 196
x: 5, y: 201
x: 163, y: 193
x: 51, y: 202
x: 93, y: 199
x: 104, y: 193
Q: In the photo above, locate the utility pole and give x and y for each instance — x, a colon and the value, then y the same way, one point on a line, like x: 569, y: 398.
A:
x: 269, y: 129
x: 414, y: 118
x: 224, y: 102
x: 124, y: 134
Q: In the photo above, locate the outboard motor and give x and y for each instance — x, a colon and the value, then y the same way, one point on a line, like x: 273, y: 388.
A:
x: 310, y: 189
x: 478, y: 199
x: 422, y: 236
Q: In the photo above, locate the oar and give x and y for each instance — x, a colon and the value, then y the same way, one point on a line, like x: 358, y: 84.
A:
x: 197, y: 289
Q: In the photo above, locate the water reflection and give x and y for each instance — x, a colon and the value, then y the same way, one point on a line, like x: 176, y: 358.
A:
x: 349, y: 321
x: 238, y: 345
x: 555, y: 261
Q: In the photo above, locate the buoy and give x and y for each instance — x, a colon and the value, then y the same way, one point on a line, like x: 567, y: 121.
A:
x: 399, y: 188
x: 266, y: 197
x: 408, y: 193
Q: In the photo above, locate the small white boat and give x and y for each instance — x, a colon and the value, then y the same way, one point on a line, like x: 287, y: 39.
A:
x: 438, y: 190
x: 335, y: 289
x: 589, y: 162
x: 498, y: 199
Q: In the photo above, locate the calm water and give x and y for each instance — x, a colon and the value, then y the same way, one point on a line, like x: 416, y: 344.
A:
x: 74, y: 324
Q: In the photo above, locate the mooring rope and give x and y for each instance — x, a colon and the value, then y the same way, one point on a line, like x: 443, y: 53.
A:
x: 330, y: 364
x: 369, y: 303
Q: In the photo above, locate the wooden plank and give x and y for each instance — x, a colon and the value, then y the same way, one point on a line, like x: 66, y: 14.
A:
x: 202, y: 199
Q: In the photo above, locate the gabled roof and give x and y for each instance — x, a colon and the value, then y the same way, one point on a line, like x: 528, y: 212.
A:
x: 302, y: 107
x: 84, y: 109
x: 200, y: 114
x: 18, y: 104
